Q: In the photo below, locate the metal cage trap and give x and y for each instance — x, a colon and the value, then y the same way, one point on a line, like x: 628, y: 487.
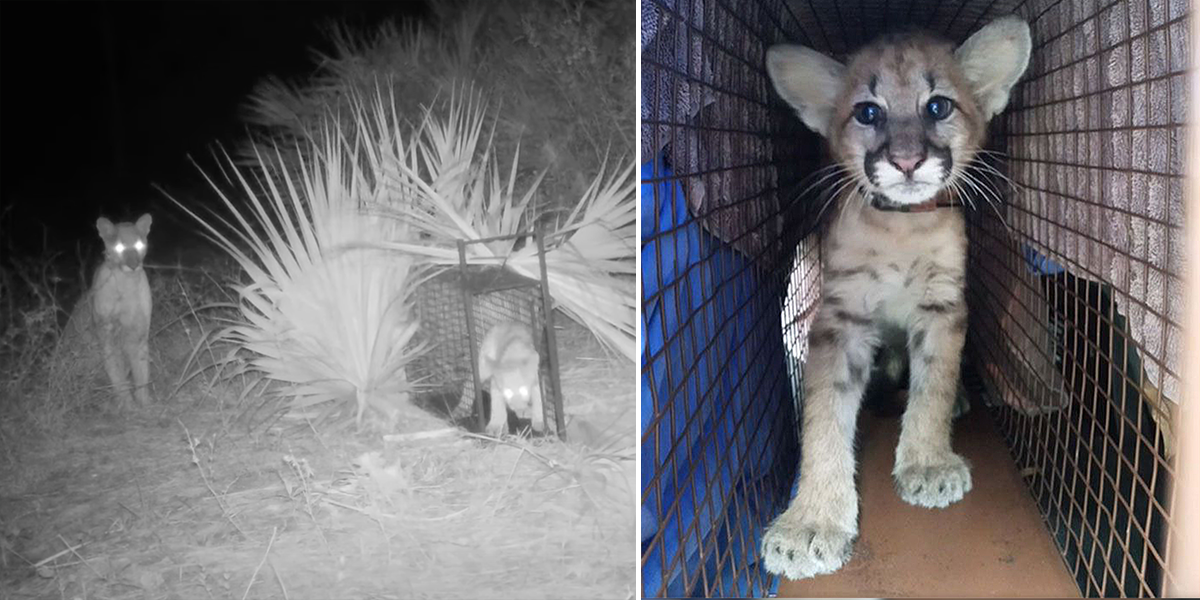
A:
x: 457, y: 307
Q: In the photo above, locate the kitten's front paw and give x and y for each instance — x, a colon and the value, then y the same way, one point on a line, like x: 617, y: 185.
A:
x: 796, y: 548
x: 937, y: 484
x: 496, y: 428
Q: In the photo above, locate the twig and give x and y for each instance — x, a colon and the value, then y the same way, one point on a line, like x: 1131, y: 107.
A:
x: 421, y: 435
x: 226, y: 512
x: 303, y: 471
x: 508, y: 481
x: 72, y: 549
x: 546, y: 461
x: 279, y: 580
x: 395, y: 516
x: 69, y: 550
x: 274, y: 530
x: 268, y: 488
x: 313, y: 429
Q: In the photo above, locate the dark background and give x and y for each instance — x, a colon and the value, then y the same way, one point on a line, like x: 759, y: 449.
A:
x: 100, y: 100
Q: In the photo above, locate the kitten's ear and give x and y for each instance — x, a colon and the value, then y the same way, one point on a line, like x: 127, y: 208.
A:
x: 106, y: 229
x: 807, y: 80
x: 993, y: 60
x: 143, y: 224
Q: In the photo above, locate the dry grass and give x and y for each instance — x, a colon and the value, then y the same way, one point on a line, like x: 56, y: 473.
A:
x: 47, y: 381
x: 30, y: 307
x: 191, y: 505
x: 184, y: 500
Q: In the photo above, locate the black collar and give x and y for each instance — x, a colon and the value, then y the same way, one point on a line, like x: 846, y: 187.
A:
x: 878, y: 202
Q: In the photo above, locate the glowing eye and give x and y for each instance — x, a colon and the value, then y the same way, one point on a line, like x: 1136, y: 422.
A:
x: 139, y: 245
x: 867, y: 113
x: 508, y: 394
x: 524, y: 391
x: 119, y: 247
x: 939, y: 107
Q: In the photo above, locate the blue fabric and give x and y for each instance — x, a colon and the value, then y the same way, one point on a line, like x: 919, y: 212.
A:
x: 717, y: 416
x: 1039, y: 263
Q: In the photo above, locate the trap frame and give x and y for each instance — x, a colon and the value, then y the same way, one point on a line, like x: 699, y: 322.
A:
x: 1081, y: 264
x: 457, y: 307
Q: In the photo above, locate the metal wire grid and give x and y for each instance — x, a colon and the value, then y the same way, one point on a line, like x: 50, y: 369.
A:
x: 1094, y: 138
x: 490, y: 307
x: 445, y: 372
x: 720, y: 467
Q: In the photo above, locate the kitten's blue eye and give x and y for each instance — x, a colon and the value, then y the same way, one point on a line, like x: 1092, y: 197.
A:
x: 939, y: 107
x: 867, y: 113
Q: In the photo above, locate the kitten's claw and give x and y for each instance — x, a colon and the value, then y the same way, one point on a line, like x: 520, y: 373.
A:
x: 797, y: 549
x: 936, y: 485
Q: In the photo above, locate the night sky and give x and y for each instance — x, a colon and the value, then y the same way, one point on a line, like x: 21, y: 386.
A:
x: 102, y: 99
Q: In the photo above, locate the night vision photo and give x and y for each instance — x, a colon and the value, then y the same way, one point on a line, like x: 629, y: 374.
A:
x: 318, y: 300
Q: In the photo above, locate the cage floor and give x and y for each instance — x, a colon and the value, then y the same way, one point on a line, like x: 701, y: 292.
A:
x: 992, y: 543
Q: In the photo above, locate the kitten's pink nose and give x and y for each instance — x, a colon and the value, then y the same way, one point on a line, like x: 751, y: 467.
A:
x: 908, y: 164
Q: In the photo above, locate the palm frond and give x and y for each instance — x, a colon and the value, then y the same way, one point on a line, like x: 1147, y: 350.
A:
x: 321, y: 310
x: 449, y: 186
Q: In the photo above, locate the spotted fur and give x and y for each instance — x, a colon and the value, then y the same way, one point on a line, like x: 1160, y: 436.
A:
x: 885, y: 268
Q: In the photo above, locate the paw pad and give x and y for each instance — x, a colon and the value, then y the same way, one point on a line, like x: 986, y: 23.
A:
x: 800, y: 550
x: 934, y: 486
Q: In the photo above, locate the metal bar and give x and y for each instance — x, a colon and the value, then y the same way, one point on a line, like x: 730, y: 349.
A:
x: 548, y: 324
x: 469, y: 304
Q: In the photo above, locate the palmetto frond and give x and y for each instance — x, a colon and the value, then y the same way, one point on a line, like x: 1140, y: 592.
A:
x: 334, y: 245
x: 449, y: 186
x: 321, y: 309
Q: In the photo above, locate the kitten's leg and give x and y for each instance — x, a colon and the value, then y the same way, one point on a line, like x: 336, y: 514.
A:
x: 815, y: 534
x: 538, y: 418
x: 116, y: 365
x: 139, y: 357
x: 498, y: 421
x: 927, y: 472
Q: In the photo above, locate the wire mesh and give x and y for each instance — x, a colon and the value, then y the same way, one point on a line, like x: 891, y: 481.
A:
x: 445, y: 373
x: 718, y: 424
x: 444, y: 369
x: 1094, y: 139
x: 1073, y: 278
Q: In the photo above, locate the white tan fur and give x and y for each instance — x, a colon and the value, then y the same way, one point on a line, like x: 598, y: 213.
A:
x: 509, y: 360
x: 887, y: 269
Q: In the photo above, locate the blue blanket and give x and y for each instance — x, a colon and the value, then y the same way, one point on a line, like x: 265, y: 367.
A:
x: 719, y: 439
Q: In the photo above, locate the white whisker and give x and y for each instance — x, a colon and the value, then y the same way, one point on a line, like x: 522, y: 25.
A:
x: 988, y: 195
x: 830, y: 194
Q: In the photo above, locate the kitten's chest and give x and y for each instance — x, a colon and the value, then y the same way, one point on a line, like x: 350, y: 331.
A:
x: 121, y: 296
x: 888, y: 263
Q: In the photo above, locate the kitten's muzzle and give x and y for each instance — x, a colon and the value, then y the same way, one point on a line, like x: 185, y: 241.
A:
x: 131, y: 260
